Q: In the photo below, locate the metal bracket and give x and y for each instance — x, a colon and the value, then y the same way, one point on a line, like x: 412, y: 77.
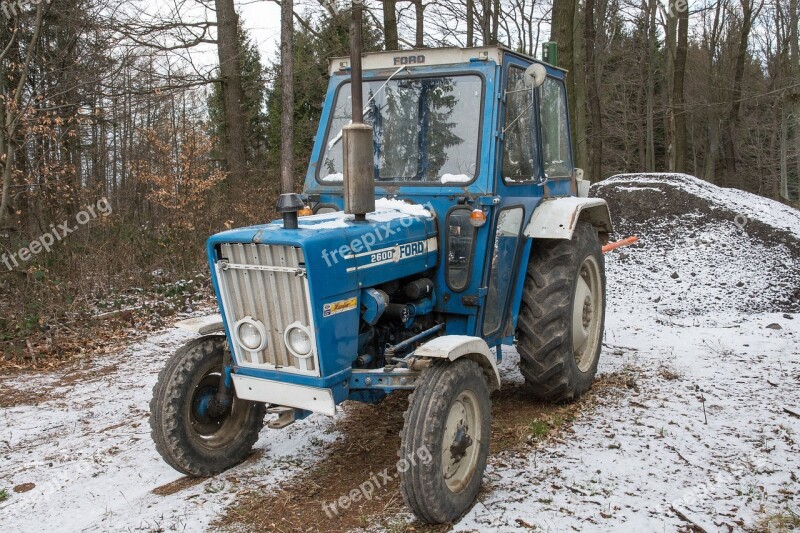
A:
x: 285, y: 416
x: 395, y: 379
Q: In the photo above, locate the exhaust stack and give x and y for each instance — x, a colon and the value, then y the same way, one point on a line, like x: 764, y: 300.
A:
x: 359, y: 173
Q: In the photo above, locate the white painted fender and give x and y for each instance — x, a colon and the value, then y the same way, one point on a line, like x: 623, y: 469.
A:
x: 454, y: 347
x: 557, y: 218
x: 202, y: 325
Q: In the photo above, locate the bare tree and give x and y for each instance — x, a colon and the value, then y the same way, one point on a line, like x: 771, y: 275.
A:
x: 749, y: 13
x: 595, y: 130
x: 10, y: 111
x: 678, y: 111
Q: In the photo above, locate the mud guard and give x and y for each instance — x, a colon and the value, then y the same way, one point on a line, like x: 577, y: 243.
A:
x: 202, y: 325
x: 557, y: 218
x: 454, y: 347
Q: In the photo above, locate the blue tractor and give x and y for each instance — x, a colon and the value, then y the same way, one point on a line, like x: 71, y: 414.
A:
x: 442, y: 218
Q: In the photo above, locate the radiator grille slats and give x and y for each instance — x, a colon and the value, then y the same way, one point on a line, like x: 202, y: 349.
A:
x: 267, y: 283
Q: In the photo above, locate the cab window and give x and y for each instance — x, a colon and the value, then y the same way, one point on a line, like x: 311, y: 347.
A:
x: 519, y: 148
x: 556, y: 153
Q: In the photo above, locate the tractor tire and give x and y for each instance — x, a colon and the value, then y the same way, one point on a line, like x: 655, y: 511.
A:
x: 445, y: 441
x: 186, y: 435
x: 561, y: 319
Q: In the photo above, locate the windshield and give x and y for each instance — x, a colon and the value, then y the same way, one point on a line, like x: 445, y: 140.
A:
x: 424, y: 129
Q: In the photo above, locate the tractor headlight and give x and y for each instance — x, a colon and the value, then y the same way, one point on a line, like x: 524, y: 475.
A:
x: 298, y: 340
x: 251, y: 334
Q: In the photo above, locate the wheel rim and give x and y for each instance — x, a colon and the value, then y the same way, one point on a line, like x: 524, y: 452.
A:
x: 461, y: 442
x: 587, y: 312
x: 213, y: 430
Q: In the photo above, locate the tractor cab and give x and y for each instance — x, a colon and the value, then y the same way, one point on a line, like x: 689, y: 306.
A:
x: 451, y: 121
x: 441, y: 218
x: 475, y: 135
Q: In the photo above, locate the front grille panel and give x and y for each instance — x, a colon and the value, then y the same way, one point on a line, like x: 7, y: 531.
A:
x: 269, y: 284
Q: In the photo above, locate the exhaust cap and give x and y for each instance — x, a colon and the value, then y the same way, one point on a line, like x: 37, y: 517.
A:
x: 288, y: 206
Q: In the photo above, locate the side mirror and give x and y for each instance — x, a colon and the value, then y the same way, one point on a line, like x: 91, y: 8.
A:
x: 535, y: 76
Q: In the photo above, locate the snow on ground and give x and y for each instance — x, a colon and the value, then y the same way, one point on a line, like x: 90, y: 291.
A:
x: 88, y: 452
x: 623, y: 467
x: 691, y: 318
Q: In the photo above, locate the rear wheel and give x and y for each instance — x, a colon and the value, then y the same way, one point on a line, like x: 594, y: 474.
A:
x: 192, y: 434
x: 445, y: 441
x: 561, y: 320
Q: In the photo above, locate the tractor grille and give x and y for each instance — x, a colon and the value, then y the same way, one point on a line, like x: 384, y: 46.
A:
x: 269, y: 285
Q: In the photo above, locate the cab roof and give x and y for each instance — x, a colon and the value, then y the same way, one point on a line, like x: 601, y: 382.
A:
x: 394, y: 59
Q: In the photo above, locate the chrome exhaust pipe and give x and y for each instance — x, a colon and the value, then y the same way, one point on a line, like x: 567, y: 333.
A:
x: 359, y: 171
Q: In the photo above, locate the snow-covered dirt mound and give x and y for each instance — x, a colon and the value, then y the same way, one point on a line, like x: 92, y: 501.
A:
x: 703, y: 248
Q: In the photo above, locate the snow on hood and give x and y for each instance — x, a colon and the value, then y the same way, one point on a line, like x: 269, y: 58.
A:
x: 386, y: 210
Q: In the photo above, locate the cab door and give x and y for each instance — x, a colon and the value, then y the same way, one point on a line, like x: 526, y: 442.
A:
x: 518, y: 179
x: 534, y: 160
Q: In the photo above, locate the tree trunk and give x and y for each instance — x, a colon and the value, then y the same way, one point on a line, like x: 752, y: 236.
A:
x: 419, y: 34
x: 486, y: 26
x: 390, y: 37
x: 232, y: 95
x: 593, y: 95
x: 576, y: 89
x: 732, y: 121
x: 470, y: 23
x: 495, y: 21
x: 679, y: 144
x: 793, y: 107
x: 563, y: 31
x: 784, y: 155
x: 287, y: 98
x: 9, y: 115
x: 652, y: 45
x: 670, y: 46
x: 712, y: 141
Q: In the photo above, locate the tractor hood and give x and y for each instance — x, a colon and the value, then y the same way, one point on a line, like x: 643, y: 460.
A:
x: 396, y: 241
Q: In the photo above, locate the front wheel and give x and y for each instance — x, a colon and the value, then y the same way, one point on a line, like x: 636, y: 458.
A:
x: 189, y: 433
x: 448, y: 422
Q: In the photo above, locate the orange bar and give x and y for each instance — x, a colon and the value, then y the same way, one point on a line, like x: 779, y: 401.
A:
x: 619, y: 244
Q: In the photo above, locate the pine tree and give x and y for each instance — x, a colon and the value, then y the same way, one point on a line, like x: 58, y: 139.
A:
x: 312, y: 49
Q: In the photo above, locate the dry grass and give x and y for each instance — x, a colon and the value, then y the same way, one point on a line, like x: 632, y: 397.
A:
x: 669, y: 373
x: 780, y: 521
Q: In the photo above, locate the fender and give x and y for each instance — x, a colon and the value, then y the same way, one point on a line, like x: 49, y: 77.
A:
x: 556, y: 218
x: 454, y: 347
x: 203, y: 325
